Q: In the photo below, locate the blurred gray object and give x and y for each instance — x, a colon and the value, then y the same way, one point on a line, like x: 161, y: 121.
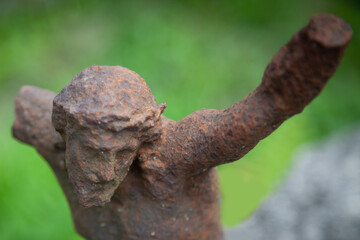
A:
x: 319, y: 200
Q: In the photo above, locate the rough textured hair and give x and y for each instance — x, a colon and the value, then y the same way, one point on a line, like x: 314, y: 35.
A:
x: 111, y: 97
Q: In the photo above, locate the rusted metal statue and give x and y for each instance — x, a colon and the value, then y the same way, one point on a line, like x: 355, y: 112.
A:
x: 130, y: 173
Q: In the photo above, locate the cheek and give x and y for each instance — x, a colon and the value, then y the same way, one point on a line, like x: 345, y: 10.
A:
x: 124, y: 159
x: 73, y: 156
x: 76, y: 155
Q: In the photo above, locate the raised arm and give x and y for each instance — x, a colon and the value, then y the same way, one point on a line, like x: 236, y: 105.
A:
x: 293, y: 78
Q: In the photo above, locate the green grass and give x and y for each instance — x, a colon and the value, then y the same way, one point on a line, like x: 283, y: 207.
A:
x: 193, y: 55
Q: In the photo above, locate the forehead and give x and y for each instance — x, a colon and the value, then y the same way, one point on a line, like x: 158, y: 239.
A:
x: 99, y: 138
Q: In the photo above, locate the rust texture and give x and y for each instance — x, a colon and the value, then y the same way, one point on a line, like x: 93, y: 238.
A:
x: 130, y: 173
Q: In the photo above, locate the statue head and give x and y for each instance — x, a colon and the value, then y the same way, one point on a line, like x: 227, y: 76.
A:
x: 104, y: 114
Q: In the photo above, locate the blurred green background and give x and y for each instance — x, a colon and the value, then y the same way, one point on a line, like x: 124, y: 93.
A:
x: 193, y: 55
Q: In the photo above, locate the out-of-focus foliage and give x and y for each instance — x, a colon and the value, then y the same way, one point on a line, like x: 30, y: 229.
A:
x: 193, y: 54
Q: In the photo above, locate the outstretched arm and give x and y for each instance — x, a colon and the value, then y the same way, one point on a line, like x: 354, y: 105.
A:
x: 32, y: 125
x: 293, y: 78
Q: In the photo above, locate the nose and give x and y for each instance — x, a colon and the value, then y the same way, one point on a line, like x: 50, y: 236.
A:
x: 106, y: 166
x: 108, y: 155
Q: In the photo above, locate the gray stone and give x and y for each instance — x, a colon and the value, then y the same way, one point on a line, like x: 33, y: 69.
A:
x: 319, y: 200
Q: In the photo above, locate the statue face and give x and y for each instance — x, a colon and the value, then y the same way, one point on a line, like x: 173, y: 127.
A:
x: 98, y: 160
x: 104, y: 114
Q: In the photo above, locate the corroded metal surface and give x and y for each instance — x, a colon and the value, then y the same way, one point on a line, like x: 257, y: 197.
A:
x: 130, y: 173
